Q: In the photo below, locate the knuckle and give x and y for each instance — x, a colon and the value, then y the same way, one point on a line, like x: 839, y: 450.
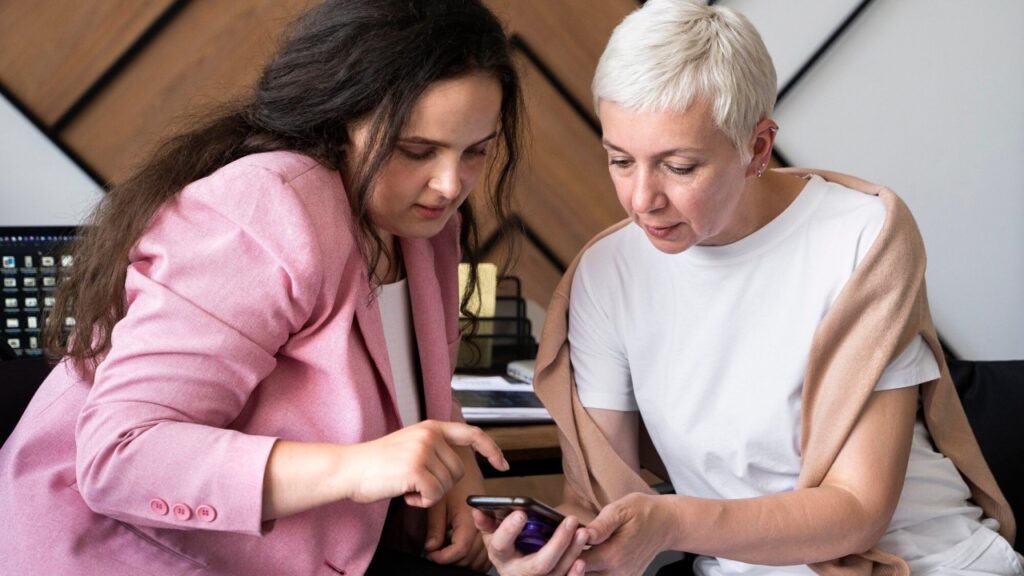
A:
x: 430, y: 497
x: 538, y: 566
x: 418, y: 464
x: 461, y: 548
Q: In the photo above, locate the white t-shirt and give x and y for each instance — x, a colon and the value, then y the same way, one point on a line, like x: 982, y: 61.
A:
x: 396, y: 316
x: 711, y: 345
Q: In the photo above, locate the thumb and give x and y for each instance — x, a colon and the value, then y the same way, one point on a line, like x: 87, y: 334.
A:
x: 437, y: 518
x: 601, y: 528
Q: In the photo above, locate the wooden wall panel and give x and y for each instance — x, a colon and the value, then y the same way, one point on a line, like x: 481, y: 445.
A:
x: 567, y: 35
x: 566, y: 194
x: 211, y: 52
x: 51, y: 52
x: 486, y: 225
x: 539, y: 276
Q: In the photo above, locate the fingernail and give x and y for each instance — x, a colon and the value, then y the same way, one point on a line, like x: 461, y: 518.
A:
x: 506, y: 465
x: 581, y: 537
x: 431, y: 542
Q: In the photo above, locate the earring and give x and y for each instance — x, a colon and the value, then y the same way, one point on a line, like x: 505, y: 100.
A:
x: 760, y: 171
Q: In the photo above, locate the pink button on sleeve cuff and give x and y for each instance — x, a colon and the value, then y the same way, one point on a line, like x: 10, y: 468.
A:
x: 158, y: 506
x: 182, y: 511
x: 206, y: 513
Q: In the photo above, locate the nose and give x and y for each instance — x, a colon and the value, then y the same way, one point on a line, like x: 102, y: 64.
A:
x: 647, y: 196
x: 447, y: 180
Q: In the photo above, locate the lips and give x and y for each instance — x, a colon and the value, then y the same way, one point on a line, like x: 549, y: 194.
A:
x: 660, y: 231
x: 430, y: 212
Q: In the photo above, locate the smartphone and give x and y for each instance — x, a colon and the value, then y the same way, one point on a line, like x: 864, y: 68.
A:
x: 541, y: 519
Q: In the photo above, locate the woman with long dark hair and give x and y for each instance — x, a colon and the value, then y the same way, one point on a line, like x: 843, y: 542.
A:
x: 267, y: 319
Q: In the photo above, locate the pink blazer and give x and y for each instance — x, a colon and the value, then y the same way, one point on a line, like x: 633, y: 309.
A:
x: 249, y: 319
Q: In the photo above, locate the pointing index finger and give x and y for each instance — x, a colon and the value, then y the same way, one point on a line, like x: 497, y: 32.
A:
x: 458, y: 434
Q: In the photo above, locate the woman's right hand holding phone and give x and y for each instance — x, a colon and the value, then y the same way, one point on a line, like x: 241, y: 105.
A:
x: 559, y: 556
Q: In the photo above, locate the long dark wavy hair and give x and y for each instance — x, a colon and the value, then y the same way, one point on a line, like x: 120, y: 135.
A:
x: 342, y: 62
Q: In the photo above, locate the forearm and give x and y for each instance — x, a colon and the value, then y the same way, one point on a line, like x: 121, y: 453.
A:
x: 418, y: 462
x: 800, y: 527
x: 301, y: 476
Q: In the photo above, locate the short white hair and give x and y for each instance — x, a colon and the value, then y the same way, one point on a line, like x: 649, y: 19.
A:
x: 669, y: 53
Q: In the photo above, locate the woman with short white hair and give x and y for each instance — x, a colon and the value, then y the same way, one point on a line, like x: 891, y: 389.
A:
x: 768, y: 330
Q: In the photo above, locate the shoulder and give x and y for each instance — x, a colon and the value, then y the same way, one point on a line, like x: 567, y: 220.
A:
x: 857, y: 200
x: 279, y: 207
x: 273, y: 177
x: 609, y: 264
x: 266, y: 177
x: 277, y: 194
x: 612, y: 250
x: 845, y: 217
x: 842, y: 204
x: 284, y: 164
x: 869, y: 216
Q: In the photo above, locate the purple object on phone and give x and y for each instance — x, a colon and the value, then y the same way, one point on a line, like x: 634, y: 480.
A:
x: 534, y: 535
x: 541, y: 519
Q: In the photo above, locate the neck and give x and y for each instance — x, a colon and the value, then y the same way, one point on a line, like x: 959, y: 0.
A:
x: 389, y: 267
x: 775, y: 192
x: 763, y: 200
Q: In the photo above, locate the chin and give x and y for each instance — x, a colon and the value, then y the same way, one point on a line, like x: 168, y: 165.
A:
x: 424, y: 229
x: 669, y: 246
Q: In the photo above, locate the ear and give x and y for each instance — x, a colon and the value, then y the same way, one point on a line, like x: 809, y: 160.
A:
x: 762, y: 142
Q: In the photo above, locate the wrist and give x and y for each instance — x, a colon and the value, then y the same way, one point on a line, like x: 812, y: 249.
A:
x: 672, y: 521
x: 343, y: 479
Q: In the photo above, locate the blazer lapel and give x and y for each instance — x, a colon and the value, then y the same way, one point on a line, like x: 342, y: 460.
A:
x: 371, y: 327
x: 428, y: 320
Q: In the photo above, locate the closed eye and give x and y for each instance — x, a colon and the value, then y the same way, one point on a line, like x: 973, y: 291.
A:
x: 416, y: 154
x: 620, y: 162
x: 679, y: 170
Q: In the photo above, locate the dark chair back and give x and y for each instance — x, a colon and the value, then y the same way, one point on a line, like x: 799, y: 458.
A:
x: 19, y: 380
x: 993, y: 397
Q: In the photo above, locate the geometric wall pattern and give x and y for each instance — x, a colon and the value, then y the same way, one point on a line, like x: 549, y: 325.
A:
x: 106, y: 80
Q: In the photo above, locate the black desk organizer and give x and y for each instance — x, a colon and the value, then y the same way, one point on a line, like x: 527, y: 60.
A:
x: 508, y: 334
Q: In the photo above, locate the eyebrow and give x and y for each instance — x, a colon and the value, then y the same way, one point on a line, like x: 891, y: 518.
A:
x: 607, y: 144
x: 429, y: 142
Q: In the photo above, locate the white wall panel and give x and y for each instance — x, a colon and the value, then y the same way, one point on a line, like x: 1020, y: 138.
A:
x: 925, y: 96
x: 793, y: 29
x: 39, y: 184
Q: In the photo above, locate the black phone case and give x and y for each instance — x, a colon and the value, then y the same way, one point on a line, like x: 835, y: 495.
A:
x: 502, y: 506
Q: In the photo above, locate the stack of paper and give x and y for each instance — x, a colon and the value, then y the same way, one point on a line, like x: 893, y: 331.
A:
x: 490, y: 399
